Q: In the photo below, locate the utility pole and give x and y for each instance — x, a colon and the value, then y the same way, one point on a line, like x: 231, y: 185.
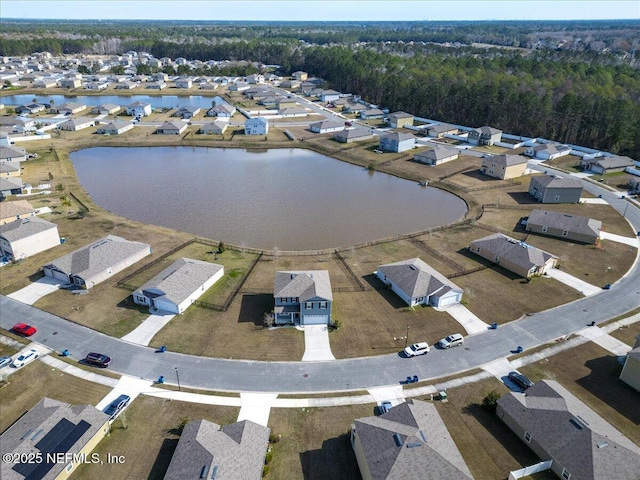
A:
x: 178, y: 377
x: 406, y: 338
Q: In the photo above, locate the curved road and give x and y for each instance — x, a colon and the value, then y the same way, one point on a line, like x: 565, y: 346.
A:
x: 340, y: 375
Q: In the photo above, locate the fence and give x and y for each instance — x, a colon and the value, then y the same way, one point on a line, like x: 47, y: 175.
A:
x: 82, y: 205
x: 537, y: 468
x: 355, y: 279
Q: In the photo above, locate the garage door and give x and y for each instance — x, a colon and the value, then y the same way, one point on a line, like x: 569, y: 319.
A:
x: 316, y: 319
x: 446, y: 300
x: 57, y: 274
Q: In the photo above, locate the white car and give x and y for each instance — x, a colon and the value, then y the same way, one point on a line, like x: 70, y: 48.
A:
x: 24, y: 358
x: 417, y: 349
x: 451, y: 341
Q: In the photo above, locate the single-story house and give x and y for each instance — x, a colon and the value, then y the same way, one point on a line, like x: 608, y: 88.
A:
x: 400, y: 119
x: 52, y: 429
x: 547, y: 151
x: 504, y: 167
x: 209, y: 86
x: 97, y: 261
x: 350, y: 135
x: 9, y: 170
x: 410, y: 441
x: 441, y: 129
x: 255, y: 78
x: 356, y: 108
x: 179, y: 285
x: 215, y: 128
x: 303, y: 297
x: 484, y: 136
x: 68, y: 108
x: 75, y: 124
x: 184, y: 82
x: 437, y: 155
x: 127, y: 85
x: 558, y: 426
x: 292, y: 112
x: 553, y: 189
x: 514, y: 255
x: 221, y: 110
x: 97, y: 86
x: 70, y: 83
x: 27, y: 236
x: 186, y: 112
x: 396, y: 142
x: 371, y: 113
x: 563, y: 225
x: 31, y: 108
x: 267, y: 100
x: 329, y: 96
x: 174, y: 127
x: 115, y: 128
x: 326, y: 126
x: 290, y: 84
x: 417, y: 283
x: 283, y: 102
x: 12, y: 211
x: 239, y: 87
x: 156, y: 86
x: 207, y: 450
x: 631, y: 370
x: 299, y: 76
x: 106, y: 109
x: 10, y: 186
x: 611, y: 164
x: 12, y: 154
x: 138, y: 109
x: 256, y: 126
x: 48, y: 83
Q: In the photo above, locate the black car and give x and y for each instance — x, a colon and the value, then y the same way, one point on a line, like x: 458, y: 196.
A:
x: 117, y: 406
x: 98, y: 359
x: 520, y: 380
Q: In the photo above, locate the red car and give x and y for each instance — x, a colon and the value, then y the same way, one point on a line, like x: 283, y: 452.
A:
x: 24, y: 329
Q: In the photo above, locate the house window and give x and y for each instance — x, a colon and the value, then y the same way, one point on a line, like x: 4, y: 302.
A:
x: 308, y: 305
x: 323, y: 305
x: 527, y: 437
x: 565, y: 474
x: 556, y: 198
x: 496, y: 259
x: 491, y: 170
x: 544, y: 228
x: 565, y: 233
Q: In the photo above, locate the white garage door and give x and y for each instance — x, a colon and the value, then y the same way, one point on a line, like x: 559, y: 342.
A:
x: 58, y: 275
x: 316, y: 319
x: 446, y: 301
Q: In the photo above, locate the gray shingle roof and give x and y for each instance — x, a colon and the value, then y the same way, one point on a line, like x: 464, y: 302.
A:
x: 11, y: 152
x: 416, y: 278
x: 178, y: 281
x: 551, y: 181
x: 400, y: 115
x: 410, y: 441
x: 398, y: 136
x: 486, y: 130
x: 508, y: 160
x: 327, y: 124
x: 573, y: 434
x: 303, y: 284
x: 172, y: 125
x: 235, y: 451
x: 564, y: 221
x: 24, y: 228
x: 75, y: 122
x: 97, y: 256
x: 519, y: 253
x: 441, y: 128
x: 439, y: 152
x: 356, y: 132
x: 10, y: 184
x: 17, y: 207
x: 614, y: 162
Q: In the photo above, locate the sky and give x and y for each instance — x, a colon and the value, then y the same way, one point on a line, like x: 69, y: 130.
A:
x: 327, y: 10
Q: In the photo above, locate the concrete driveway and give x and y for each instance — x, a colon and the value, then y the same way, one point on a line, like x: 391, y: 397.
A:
x: 574, y: 282
x: 38, y: 289
x: 144, y: 332
x: 316, y: 344
x: 466, y: 319
x: 632, y: 241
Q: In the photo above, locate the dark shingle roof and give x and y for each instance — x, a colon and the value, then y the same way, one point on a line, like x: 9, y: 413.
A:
x: 509, y: 160
x: 415, y: 278
x: 304, y: 285
x: 24, y: 228
x: 519, y: 253
x: 551, y: 181
x: 564, y: 221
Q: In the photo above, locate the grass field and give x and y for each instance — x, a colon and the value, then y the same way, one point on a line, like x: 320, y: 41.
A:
x: 627, y: 334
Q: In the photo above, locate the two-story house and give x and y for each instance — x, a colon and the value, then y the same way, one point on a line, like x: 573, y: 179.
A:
x: 303, y: 297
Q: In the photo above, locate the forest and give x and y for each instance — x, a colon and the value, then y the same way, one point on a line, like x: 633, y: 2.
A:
x: 574, y: 82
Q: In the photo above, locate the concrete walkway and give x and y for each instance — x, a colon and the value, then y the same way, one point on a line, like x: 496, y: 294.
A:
x: 580, y: 285
x: 596, y: 201
x: 42, y: 354
x: 316, y: 344
x: 36, y: 290
x: 600, y: 337
x: 125, y: 386
x: 144, y: 333
x: 393, y: 393
x: 69, y: 369
x: 466, y: 319
x: 256, y: 407
x: 632, y: 241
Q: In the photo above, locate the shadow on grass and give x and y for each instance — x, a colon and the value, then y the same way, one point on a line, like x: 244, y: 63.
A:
x: 163, y: 459
x: 335, y: 460
x: 604, y: 383
x: 394, y: 300
x: 36, y: 276
x: 253, y: 308
x: 128, y: 303
x: 523, y: 198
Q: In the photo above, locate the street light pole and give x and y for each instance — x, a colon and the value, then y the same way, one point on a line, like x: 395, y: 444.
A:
x: 406, y: 338
x: 178, y: 377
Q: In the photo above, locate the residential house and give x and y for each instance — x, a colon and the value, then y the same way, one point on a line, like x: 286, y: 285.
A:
x: 179, y: 285
x: 208, y: 86
x: 283, y: 102
x: 356, y: 108
x: 126, y: 85
x: 303, y: 297
x: 221, y: 110
x: 156, y: 86
x: 45, y: 83
x: 114, y: 128
x: 353, y: 135
x: 13, y: 155
x: 94, y: 263
x: 514, y: 255
x: 441, y: 129
x: 216, y: 128
x: 30, y: 108
x: 329, y: 96
x: 239, y: 87
x: 504, y: 167
x: 75, y: 124
x: 417, y: 283
x: 558, y: 426
x: 69, y: 108
x: 12, y: 211
x: 484, y: 136
x: 400, y: 119
x: 9, y: 170
x: 10, y: 186
x: 160, y: 77
x: 396, y: 142
x: 255, y: 78
x: 206, y: 450
x: 437, y: 155
x: 631, y: 370
x: 547, y: 151
x: 52, y: 430
x: 299, y: 76
x: 563, y: 225
x: 27, y: 236
x: 410, y: 441
x: 290, y: 84
x: 553, y: 189
x: 326, y: 126
x: 371, y: 113
x: 184, y: 82
x: 186, y: 112
x: 96, y: 86
x: 174, y: 127
x: 106, y: 109
x: 139, y: 109
x: 603, y: 165
x: 292, y: 112
x: 256, y: 126
x: 24, y: 124
x: 70, y: 83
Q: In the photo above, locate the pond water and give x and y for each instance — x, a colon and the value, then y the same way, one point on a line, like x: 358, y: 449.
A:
x: 292, y: 199
x: 167, y: 101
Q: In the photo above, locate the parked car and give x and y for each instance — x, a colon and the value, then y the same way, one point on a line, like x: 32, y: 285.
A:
x: 417, y: 349
x: 24, y: 329
x: 520, y: 380
x: 385, y: 407
x: 25, y: 358
x: 98, y: 359
x: 115, y: 407
x: 454, y: 340
x: 4, y: 361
